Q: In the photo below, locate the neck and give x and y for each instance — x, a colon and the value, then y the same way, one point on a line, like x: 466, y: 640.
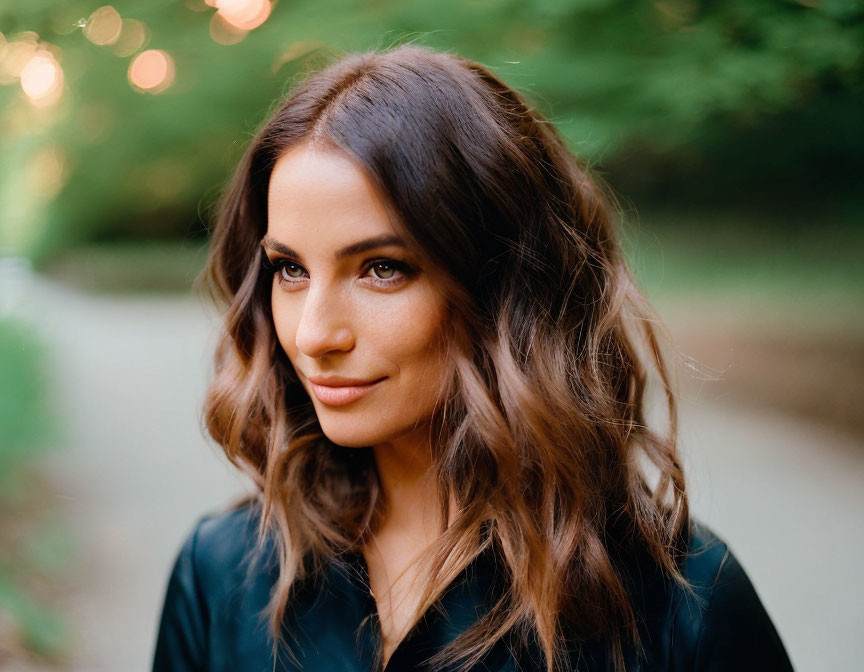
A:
x: 405, y: 472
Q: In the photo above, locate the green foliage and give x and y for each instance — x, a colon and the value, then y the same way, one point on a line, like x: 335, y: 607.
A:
x: 646, y: 88
x: 131, y: 266
x: 25, y: 422
x: 32, y: 553
x: 736, y: 253
x: 40, y: 628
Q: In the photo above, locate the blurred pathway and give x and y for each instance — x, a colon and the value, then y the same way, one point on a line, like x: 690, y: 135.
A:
x: 135, y: 473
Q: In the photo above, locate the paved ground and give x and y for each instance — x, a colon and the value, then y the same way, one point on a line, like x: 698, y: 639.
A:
x: 129, y: 377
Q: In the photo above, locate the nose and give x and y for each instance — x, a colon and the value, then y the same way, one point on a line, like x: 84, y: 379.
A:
x: 323, y: 326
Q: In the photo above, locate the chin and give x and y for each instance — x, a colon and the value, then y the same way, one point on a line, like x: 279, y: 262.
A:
x: 352, y: 432
x: 363, y: 430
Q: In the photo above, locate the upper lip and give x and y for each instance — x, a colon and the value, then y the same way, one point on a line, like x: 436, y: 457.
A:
x: 339, y: 381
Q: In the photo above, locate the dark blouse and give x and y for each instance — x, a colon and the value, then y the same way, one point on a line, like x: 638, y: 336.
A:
x: 211, y: 614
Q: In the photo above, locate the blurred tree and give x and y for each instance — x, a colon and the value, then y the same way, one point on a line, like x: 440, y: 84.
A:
x: 741, y: 92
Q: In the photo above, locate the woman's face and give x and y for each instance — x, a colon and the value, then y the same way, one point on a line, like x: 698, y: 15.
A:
x: 360, y: 321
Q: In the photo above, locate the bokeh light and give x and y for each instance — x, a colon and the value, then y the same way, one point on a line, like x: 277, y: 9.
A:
x: 26, y: 36
x: 134, y: 35
x: 17, y: 53
x: 42, y: 78
x: 223, y: 32
x: 151, y: 71
x: 104, y: 26
x: 243, y: 14
x: 47, y: 172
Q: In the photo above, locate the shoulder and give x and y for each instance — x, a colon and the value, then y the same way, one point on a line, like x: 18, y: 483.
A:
x: 221, y: 548
x: 721, y: 623
x: 211, y: 591
x: 707, y: 554
x: 220, y: 539
x: 221, y: 562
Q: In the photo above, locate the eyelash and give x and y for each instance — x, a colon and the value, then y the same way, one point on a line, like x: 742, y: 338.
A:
x: 275, y: 268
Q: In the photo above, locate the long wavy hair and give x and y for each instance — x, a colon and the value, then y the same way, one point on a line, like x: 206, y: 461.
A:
x: 541, y: 438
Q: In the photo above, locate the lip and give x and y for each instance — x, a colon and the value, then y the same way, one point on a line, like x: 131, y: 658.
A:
x: 338, y: 391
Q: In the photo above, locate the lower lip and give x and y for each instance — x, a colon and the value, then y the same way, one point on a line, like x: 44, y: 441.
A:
x: 339, y: 396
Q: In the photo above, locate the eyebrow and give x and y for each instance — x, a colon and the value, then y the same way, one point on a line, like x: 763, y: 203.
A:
x: 355, y: 248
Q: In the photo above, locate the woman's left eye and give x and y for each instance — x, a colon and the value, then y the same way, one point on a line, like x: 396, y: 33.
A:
x: 388, y: 269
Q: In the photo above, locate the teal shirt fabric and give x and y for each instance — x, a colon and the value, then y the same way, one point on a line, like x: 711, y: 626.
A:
x: 211, y: 616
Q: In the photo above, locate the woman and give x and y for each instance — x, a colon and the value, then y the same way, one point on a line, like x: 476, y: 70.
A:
x: 434, y: 369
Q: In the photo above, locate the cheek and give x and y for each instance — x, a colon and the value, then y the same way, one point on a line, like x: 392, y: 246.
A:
x: 416, y: 347
x: 285, y: 326
x: 398, y: 336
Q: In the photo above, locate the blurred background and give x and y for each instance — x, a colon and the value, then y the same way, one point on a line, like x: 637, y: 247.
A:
x: 731, y: 132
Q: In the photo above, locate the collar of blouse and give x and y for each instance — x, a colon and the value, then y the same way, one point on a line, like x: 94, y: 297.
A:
x: 342, y: 610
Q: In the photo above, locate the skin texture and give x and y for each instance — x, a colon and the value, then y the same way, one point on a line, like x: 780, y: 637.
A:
x: 341, y: 318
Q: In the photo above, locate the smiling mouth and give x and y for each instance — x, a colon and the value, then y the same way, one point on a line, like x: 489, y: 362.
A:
x: 342, y: 395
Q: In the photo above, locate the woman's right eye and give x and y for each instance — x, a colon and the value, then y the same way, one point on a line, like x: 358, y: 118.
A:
x: 288, y: 271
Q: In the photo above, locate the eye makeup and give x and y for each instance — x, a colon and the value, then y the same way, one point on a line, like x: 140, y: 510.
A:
x: 403, y: 270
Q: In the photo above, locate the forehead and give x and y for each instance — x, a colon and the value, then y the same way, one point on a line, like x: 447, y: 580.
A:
x: 320, y: 190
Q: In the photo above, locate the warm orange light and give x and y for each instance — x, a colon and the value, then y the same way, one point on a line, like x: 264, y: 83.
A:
x: 39, y: 75
x: 133, y: 36
x: 30, y: 36
x: 17, y: 54
x: 42, y: 78
x: 151, y: 71
x: 223, y: 32
x: 244, y: 14
x: 47, y: 172
x: 103, y: 26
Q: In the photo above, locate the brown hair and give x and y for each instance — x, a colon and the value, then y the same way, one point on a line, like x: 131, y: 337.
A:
x: 543, y: 433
